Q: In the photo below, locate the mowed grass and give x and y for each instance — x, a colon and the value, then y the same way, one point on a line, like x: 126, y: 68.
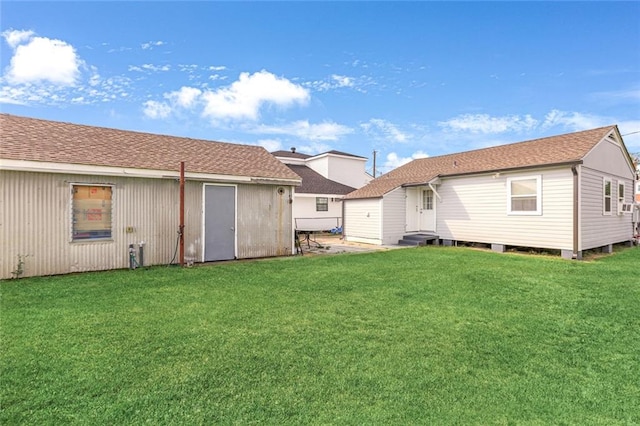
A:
x: 417, y: 336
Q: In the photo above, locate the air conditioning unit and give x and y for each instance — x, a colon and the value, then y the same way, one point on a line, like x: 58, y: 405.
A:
x: 625, y: 208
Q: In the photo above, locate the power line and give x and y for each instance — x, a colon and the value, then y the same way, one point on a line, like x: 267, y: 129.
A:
x: 632, y: 133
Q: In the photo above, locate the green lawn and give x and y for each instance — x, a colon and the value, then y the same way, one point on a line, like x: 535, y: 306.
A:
x: 418, y: 336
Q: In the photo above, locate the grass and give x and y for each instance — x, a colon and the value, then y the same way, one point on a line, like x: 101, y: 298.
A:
x: 419, y: 336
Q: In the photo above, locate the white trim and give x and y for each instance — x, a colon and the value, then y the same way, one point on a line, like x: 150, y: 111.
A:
x: 538, y: 210
x: 51, y: 167
x: 604, y: 196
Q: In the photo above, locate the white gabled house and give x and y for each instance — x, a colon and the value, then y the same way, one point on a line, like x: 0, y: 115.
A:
x: 326, y: 179
x: 570, y: 193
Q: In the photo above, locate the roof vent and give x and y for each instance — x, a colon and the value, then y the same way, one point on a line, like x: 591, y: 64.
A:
x: 293, y: 149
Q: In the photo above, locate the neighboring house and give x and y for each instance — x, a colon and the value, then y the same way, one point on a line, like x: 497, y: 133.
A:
x: 568, y: 192
x: 326, y: 179
x: 75, y: 197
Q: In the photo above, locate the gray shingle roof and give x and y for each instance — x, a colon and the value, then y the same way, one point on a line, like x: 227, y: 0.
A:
x: 50, y: 141
x: 315, y: 183
x: 562, y: 149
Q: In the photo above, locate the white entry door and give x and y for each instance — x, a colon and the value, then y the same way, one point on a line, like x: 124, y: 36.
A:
x: 427, y: 210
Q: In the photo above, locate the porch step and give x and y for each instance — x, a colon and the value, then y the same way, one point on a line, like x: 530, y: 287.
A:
x: 418, y: 239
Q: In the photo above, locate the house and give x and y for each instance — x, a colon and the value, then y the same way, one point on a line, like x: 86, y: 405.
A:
x: 569, y: 192
x: 326, y: 179
x: 75, y: 198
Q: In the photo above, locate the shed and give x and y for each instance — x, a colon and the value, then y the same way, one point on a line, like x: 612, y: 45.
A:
x: 75, y: 197
x: 569, y: 192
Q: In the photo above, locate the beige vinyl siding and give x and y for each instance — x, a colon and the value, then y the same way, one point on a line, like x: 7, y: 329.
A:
x: 265, y: 224
x: 363, y: 221
x: 474, y: 208
x: 599, y: 229
x: 35, y: 222
x: 394, y: 215
x: 609, y: 157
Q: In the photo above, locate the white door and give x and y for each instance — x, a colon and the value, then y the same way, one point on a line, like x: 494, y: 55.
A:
x: 413, y: 210
x: 427, y: 211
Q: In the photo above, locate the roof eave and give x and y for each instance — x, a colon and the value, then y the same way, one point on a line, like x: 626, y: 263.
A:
x: 69, y: 168
x: 511, y: 169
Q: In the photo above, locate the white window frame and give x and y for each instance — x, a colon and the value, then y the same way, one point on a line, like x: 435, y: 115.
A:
x: 427, y: 199
x: 621, y: 191
x: 538, y: 210
x: 606, y: 212
x: 72, y: 238
x: 318, y: 203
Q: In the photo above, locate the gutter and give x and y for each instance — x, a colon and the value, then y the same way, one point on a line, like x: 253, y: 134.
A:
x: 574, y: 171
x: 435, y: 181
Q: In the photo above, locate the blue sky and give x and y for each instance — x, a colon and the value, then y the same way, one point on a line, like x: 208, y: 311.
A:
x: 407, y: 79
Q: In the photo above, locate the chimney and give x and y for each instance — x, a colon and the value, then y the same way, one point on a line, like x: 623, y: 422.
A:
x: 293, y: 149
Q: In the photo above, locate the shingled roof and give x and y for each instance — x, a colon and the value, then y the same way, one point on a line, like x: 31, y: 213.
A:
x: 31, y: 139
x: 563, y: 149
x: 290, y: 154
x: 314, y: 183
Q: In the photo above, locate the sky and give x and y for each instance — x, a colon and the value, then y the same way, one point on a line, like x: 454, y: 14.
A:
x: 404, y: 79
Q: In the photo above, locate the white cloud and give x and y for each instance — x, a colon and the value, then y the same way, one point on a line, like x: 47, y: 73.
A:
x: 484, y: 123
x: 152, y: 44
x: 149, y: 67
x: 244, y: 98
x: 384, y: 130
x: 393, y: 160
x: 326, y: 131
x: 154, y: 109
x: 217, y: 68
x: 314, y: 148
x: 41, y: 59
x: 16, y: 37
x: 186, y: 97
x: 335, y: 81
x: 270, y: 144
x: 574, y: 121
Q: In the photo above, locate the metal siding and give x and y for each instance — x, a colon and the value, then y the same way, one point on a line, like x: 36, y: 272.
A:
x: 265, y: 225
x: 35, y: 222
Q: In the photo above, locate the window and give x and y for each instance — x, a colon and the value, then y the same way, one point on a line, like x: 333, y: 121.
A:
x: 606, y: 196
x: 322, y: 204
x: 524, y: 195
x: 621, y: 192
x: 91, y: 212
x: 427, y: 200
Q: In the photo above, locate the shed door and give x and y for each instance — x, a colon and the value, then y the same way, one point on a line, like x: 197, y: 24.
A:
x: 219, y: 222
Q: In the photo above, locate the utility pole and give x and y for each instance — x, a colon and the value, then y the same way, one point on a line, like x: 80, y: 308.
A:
x: 374, y: 163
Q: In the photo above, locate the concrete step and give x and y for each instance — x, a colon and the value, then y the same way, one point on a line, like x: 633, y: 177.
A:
x: 417, y: 239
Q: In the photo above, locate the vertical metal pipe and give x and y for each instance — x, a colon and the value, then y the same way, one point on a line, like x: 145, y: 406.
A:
x: 181, y: 213
x: 576, y: 212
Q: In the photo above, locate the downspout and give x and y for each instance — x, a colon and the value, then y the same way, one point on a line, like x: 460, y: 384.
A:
x: 574, y: 170
x: 434, y: 190
x: 343, y: 216
x: 181, y: 228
